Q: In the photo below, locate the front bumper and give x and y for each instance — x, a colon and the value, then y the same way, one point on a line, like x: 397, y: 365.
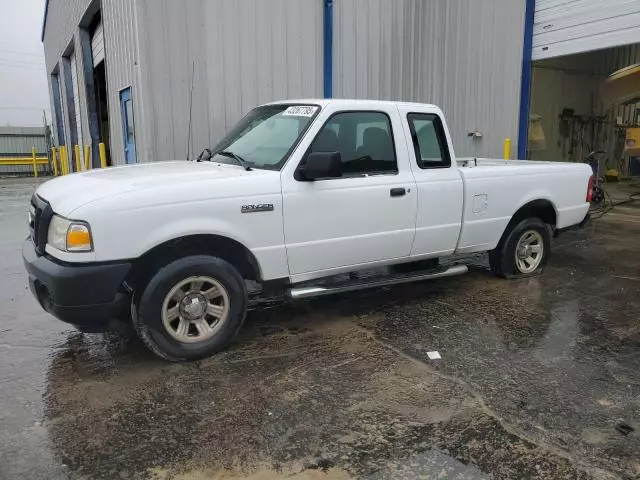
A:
x: 87, y: 296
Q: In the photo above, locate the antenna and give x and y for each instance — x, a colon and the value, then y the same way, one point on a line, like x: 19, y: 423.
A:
x: 193, y: 66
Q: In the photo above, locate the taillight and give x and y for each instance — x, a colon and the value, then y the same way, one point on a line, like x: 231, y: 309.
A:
x: 590, y: 189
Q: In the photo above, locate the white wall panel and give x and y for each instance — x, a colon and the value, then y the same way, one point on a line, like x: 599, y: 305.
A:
x: 565, y: 27
x: 63, y: 17
x: 243, y: 53
x: 121, y: 61
x: 464, y: 55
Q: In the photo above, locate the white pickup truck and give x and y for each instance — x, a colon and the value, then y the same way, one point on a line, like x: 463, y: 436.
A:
x: 297, y: 195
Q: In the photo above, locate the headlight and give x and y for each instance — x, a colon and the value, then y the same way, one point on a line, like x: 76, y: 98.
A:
x: 31, y: 215
x: 69, y: 235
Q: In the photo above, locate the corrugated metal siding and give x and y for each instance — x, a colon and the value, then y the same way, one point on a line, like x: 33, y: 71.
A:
x: 63, y: 17
x: 121, y: 55
x: 243, y: 52
x: 564, y: 27
x: 171, y: 38
x: 462, y: 55
x: 19, y: 141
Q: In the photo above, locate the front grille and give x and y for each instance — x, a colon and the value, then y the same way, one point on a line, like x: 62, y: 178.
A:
x: 39, y: 218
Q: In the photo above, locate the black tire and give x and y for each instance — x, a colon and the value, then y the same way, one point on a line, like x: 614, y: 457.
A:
x: 148, y: 305
x: 502, y: 259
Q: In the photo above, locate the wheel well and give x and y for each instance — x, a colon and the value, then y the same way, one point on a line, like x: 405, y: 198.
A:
x: 542, y: 209
x: 222, y: 247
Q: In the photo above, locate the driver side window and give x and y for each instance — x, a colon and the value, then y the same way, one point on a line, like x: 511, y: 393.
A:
x: 364, y: 141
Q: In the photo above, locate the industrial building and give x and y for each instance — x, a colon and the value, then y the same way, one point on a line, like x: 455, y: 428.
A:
x: 23, y: 149
x: 158, y: 79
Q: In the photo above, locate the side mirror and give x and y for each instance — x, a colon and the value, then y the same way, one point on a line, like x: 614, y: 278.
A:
x: 321, y: 165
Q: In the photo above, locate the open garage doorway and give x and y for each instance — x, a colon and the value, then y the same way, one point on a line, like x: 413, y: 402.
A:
x: 580, y: 112
x: 100, y: 80
x: 570, y: 119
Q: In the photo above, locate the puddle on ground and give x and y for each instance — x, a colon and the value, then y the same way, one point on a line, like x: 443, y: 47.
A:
x: 260, y: 473
x: 430, y: 465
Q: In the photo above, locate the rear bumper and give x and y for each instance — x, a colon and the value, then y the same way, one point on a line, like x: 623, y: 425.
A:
x: 87, y: 296
x: 585, y: 221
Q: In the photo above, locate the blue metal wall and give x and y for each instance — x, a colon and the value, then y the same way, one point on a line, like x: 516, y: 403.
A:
x: 525, y: 89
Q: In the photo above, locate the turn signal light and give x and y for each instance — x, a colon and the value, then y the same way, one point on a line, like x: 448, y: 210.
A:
x: 78, y: 238
x: 590, y: 189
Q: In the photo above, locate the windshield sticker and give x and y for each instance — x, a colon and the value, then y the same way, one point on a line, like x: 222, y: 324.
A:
x: 300, y: 111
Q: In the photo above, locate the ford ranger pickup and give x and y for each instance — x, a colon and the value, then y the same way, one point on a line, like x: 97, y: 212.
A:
x: 301, y: 198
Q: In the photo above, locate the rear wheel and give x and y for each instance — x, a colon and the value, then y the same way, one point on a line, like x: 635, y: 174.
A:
x: 523, y: 251
x: 191, y: 308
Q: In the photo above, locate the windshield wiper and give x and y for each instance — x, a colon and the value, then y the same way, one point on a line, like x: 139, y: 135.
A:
x: 236, y: 157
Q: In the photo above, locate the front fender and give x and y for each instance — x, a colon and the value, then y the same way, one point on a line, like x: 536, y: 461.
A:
x: 186, y: 227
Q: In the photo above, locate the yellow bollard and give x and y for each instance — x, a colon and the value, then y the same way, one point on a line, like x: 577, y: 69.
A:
x: 507, y: 149
x: 54, y: 158
x: 64, y: 164
x: 103, y: 155
x: 35, y: 165
x: 76, y: 149
x: 61, y: 158
x: 87, y: 159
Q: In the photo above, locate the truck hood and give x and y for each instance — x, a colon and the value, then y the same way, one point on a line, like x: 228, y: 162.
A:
x: 66, y: 194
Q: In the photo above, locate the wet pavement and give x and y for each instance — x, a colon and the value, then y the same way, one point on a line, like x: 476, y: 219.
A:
x: 534, y: 376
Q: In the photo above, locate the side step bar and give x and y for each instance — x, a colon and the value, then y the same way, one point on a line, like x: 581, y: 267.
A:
x: 317, y: 291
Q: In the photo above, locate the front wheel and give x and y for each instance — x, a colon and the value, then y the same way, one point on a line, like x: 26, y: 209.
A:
x: 523, y: 251
x: 191, y: 308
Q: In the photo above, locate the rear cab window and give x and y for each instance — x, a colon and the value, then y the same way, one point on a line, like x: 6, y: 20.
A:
x: 429, y: 140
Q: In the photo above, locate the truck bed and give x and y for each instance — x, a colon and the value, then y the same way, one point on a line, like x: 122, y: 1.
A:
x: 471, y: 162
x: 495, y: 189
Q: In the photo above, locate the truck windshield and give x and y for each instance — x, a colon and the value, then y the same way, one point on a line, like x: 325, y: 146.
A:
x: 265, y: 137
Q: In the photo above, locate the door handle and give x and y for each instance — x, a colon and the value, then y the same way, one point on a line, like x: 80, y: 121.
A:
x: 398, y: 192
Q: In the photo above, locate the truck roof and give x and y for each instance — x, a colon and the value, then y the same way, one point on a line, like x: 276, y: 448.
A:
x: 347, y: 102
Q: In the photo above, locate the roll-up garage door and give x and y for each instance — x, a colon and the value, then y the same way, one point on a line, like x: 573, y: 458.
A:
x: 97, y: 45
x: 565, y: 27
x: 76, y: 102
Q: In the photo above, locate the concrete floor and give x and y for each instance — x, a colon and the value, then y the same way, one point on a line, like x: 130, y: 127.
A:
x: 534, y: 376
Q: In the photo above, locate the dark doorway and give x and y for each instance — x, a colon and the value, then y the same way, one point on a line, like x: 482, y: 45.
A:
x: 100, y: 82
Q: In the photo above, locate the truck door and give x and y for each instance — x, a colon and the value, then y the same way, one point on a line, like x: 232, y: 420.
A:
x: 438, y: 181
x: 365, y: 216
